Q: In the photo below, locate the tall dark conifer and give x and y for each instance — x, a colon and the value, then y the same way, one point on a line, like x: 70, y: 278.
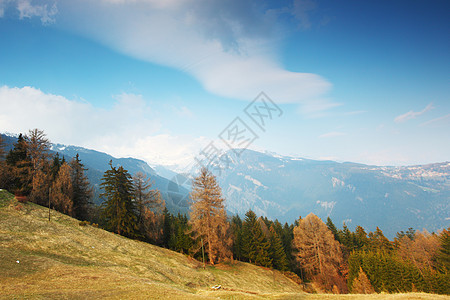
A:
x: 82, y: 191
x: 19, y: 166
x: 256, y: 246
x: 277, y: 253
x: 119, y: 210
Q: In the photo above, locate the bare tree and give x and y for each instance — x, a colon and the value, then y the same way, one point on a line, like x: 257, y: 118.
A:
x: 208, y: 216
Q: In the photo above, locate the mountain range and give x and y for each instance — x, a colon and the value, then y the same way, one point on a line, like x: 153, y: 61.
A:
x: 285, y: 188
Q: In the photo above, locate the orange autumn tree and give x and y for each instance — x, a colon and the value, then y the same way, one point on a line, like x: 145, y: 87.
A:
x: 208, y: 218
x: 318, y: 253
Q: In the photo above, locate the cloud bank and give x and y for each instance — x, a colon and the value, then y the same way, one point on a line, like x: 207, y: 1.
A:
x: 129, y: 128
x: 230, y: 47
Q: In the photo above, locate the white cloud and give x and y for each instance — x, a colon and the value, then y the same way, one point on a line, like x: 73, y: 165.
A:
x: 127, y: 129
x: 230, y: 48
x: 332, y: 134
x: 441, y: 121
x: 413, y: 114
x: 45, y: 10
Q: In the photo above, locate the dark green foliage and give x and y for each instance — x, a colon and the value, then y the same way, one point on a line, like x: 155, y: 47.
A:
x: 178, y: 237
x: 409, y: 233
x: 387, y: 273
x: 236, y: 231
x: 333, y: 229
x: 345, y: 237
x: 19, y: 164
x: 277, y: 254
x: 82, y: 191
x: 167, y: 227
x: 56, y: 165
x: 119, y: 209
x: 443, y: 256
x: 256, y: 246
x: 378, y: 242
x: 361, y: 241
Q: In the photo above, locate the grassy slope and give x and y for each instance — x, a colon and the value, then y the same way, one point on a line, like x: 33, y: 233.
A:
x: 60, y: 259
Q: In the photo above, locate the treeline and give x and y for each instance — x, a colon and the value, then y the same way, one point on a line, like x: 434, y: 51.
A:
x: 335, y: 260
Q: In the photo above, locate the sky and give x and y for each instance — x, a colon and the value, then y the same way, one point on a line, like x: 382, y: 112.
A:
x: 360, y: 81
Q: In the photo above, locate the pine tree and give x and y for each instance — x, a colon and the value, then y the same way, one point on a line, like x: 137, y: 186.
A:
x: 208, y: 217
x: 149, y: 207
x: 236, y: 230
x: 378, y: 242
x: 54, y: 169
x: 119, y: 209
x: 19, y: 167
x: 2, y: 149
x: 3, y: 171
x: 443, y: 255
x: 167, y: 227
x: 333, y: 229
x: 279, y: 260
x: 82, y: 191
x: 361, y: 239
x: 256, y: 246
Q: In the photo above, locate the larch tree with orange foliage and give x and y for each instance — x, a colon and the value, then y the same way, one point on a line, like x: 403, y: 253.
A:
x: 208, y: 218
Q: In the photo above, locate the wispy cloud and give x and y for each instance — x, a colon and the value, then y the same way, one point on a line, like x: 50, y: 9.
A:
x: 230, y: 47
x: 332, y: 134
x: 441, y: 121
x: 413, y: 114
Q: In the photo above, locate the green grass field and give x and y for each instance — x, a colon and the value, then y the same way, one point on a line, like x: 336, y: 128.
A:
x: 63, y: 260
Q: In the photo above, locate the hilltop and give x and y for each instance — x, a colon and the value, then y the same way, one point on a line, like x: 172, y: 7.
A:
x: 61, y: 259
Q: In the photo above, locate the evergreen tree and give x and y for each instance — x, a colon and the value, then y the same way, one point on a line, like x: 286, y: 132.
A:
x: 378, y: 242
x: 236, y: 230
x: 287, y: 237
x: 149, y: 208
x: 82, y: 191
x: 443, y: 255
x: 56, y: 164
x: 167, y: 227
x: 208, y: 217
x: 333, y: 229
x: 3, y: 171
x: 256, y: 246
x: 361, y: 239
x: 19, y: 168
x: 279, y: 260
x: 2, y: 149
x: 119, y: 208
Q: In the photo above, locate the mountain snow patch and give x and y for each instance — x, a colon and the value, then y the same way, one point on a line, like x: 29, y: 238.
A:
x: 235, y: 188
x: 337, y: 182
x: 256, y: 182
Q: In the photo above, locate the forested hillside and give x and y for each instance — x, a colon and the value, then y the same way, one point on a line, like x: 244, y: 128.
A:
x: 317, y: 255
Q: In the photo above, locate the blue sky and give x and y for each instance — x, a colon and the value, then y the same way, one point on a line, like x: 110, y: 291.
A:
x: 362, y: 81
